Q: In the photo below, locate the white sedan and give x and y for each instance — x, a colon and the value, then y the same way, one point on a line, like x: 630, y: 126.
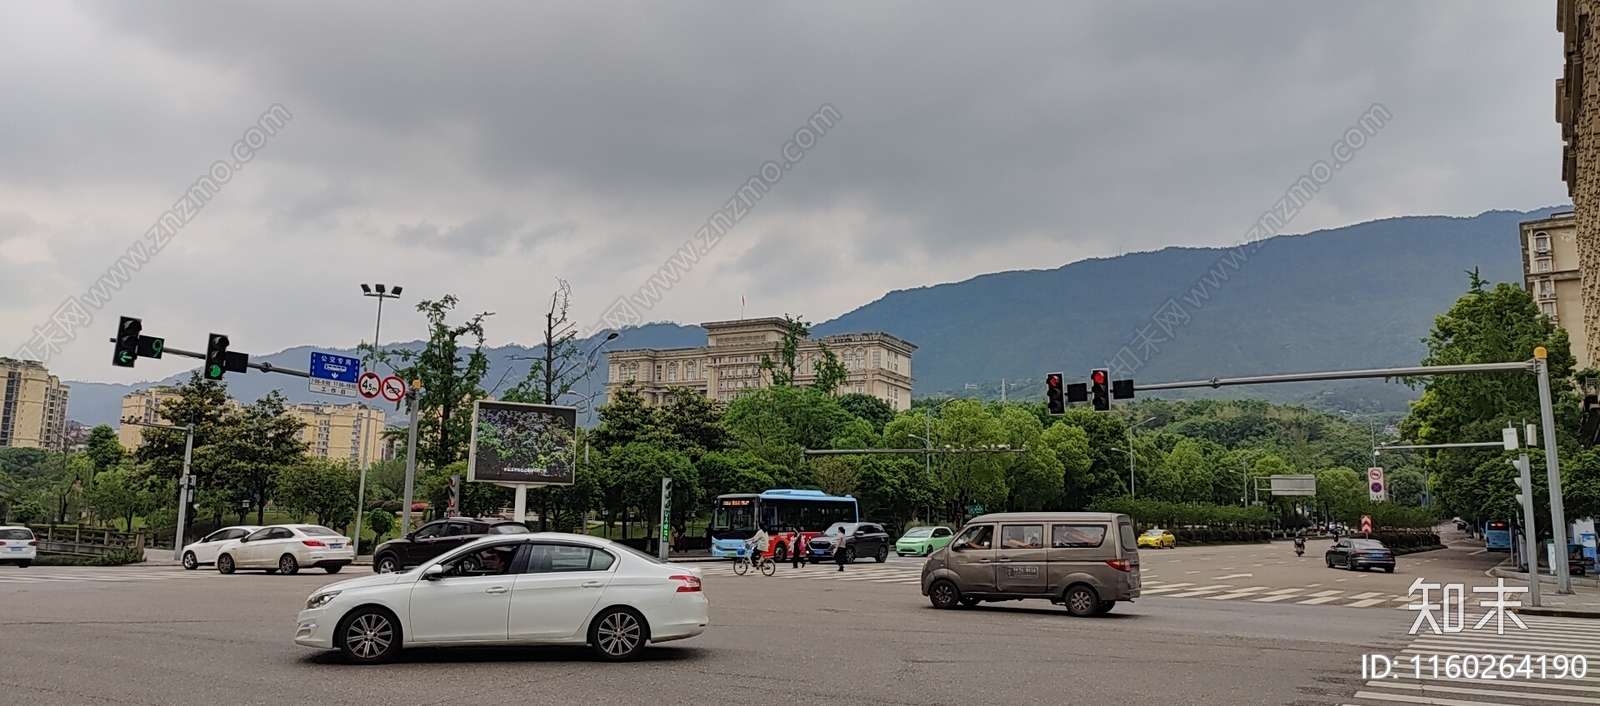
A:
x: 18, y: 546
x: 286, y: 549
x: 204, y: 552
x: 545, y: 589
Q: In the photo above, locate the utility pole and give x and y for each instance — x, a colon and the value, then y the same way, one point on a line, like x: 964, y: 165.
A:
x: 377, y: 349
x: 1558, y: 520
x: 1530, y: 543
x: 411, y: 457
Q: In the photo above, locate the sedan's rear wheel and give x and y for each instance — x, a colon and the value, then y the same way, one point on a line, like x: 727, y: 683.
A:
x: 368, y: 636
x: 225, y: 564
x: 288, y: 565
x: 944, y: 595
x: 189, y: 562
x: 618, y: 634
x: 1081, y: 601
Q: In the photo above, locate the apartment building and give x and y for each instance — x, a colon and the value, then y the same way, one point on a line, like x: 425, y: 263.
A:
x: 730, y: 363
x: 33, y: 407
x: 352, y: 433
x: 1578, y: 112
x: 1552, y: 274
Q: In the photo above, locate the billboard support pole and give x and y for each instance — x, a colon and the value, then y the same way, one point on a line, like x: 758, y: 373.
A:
x: 411, y: 460
x: 519, y: 511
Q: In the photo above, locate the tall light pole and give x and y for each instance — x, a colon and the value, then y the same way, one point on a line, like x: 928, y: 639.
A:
x: 381, y: 293
x: 185, y: 481
x: 1131, y: 427
x: 588, y: 373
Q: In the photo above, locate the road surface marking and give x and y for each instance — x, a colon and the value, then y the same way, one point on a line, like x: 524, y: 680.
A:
x: 1201, y: 591
x: 1234, y: 576
x: 1238, y: 593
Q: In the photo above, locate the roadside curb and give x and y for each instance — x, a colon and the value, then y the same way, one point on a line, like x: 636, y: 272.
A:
x: 1507, y: 573
x: 1558, y: 612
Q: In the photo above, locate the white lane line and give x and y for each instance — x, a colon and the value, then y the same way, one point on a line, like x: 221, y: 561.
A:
x: 1233, y: 576
x: 1239, y: 593
x: 1201, y: 591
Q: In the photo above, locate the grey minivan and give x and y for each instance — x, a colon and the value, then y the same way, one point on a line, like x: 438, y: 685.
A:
x: 1086, y: 561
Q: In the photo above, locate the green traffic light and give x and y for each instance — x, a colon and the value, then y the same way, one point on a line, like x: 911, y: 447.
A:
x: 123, y: 356
x: 214, y: 372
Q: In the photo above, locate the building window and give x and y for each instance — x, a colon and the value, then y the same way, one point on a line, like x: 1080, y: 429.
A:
x: 672, y: 372
x: 1541, y: 242
x: 1544, y: 265
x: 1549, y: 309
x: 1546, y: 287
x: 658, y: 372
x: 688, y: 370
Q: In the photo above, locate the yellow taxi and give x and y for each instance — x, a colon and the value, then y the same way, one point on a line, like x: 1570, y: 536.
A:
x: 1157, y: 539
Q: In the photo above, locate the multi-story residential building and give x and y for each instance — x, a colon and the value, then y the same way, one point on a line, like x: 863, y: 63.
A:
x: 1552, y: 275
x: 33, y: 406
x: 1578, y: 112
x: 352, y: 433
x: 145, y: 406
x: 730, y: 363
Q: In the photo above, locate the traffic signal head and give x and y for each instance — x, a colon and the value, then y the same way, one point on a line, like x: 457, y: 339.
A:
x: 1054, y: 394
x: 1100, y: 389
x: 126, y: 351
x: 216, y: 356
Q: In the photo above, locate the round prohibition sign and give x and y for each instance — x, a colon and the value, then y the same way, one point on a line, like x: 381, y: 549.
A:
x: 369, y: 385
x: 393, y: 388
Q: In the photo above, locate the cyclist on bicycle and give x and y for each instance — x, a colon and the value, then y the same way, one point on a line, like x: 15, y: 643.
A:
x: 758, y: 547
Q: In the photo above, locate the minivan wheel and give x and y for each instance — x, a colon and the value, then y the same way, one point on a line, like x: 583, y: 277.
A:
x: 1081, y: 601
x: 944, y: 595
x: 1106, y: 606
x: 883, y: 554
x: 189, y: 563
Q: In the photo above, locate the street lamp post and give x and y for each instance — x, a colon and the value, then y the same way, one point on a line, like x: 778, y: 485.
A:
x: 588, y: 368
x: 381, y: 293
x: 1131, y: 494
x: 185, y: 482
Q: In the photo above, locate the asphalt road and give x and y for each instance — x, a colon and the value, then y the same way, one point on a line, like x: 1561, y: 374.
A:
x: 159, y: 635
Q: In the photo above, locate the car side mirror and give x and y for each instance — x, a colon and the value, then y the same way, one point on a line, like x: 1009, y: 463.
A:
x: 242, y: 540
x: 433, y: 573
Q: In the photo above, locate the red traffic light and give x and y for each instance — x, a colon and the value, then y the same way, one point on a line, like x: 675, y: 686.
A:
x: 1098, y: 376
x: 1053, y: 380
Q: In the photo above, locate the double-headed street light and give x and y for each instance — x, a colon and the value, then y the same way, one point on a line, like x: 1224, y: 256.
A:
x: 185, y: 481
x: 381, y: 293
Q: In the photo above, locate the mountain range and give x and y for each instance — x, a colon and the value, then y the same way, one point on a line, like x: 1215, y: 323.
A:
x: 1360, y: 296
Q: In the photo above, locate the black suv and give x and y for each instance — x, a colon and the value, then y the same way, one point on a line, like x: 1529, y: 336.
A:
x: 866, y: 539
x: 435, y: 538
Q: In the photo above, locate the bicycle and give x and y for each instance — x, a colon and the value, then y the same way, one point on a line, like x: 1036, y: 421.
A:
x: 741, y: 564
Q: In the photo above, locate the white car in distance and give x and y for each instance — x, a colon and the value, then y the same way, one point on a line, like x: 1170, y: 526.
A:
x: 532, y: 589
x: 286, y: 549
x: 204, y: 552
x: 18, y: 546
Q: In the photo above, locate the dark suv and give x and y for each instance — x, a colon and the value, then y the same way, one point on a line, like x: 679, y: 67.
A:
x: 435, y: 538
x: 866, y: 539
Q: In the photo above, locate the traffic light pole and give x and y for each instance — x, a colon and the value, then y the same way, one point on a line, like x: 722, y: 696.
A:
x: 1538, y: 365
x: 1530, y: 544
x: 184, y: 481
x: 263, y: 367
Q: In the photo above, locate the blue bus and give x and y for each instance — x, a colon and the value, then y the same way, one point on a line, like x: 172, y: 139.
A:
x: 735, y: 515
x: 1497, y: 536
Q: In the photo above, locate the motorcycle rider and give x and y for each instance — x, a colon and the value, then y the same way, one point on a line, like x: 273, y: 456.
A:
x: 1299, y: 545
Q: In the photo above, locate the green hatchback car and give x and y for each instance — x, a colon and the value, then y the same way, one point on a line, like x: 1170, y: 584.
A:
x: 922, y: 541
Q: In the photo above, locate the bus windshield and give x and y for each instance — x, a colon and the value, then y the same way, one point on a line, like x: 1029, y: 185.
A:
x: 734, y: 515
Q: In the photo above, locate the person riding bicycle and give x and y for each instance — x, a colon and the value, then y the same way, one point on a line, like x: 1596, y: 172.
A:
x: 758, y: 546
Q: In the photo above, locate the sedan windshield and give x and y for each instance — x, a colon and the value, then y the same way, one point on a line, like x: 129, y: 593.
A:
x: 841, y: 528
x: 511, y: 528
x: 1154, y: 533
x: 920, y: 532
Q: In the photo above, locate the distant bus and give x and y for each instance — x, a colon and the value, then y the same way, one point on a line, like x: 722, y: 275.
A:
x: 1497, y: 536
x: 734, y: 518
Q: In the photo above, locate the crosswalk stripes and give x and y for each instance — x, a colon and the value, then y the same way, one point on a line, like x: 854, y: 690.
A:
x: 871, y: 573
x: 1545, y: 636
x: 31, y: 577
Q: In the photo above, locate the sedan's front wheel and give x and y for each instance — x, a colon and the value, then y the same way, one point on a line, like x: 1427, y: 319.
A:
x: 368, y: 636
x: 189, y: 562
x: 225, y: 564
x: 617, y: 634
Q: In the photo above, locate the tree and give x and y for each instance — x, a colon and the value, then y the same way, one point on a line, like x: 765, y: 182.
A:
x: 380, y: 521
x: 103, y: 448
x: 319, y: 487
x: 625, y: 420
x: 836, y: 474
x: 561, y: 363
x: 120, y: 493
x: 1033, y: 477
x: 692, y: 422
x: 254, y: 444
x: 829, y: 371
x: 783, y: 363
x: 875, y: 411
x: 1070, y: 447
x: 451, y: 381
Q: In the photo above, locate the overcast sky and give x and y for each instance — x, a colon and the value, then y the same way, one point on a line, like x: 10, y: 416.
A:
x: 485, y: 149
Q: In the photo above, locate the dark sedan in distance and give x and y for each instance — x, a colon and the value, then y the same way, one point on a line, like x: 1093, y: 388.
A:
x: 1354, y: 553
x: 866, y: 539
x: 435, y: 538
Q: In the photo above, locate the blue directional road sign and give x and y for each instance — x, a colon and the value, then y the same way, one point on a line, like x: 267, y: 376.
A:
x: 333, y: 374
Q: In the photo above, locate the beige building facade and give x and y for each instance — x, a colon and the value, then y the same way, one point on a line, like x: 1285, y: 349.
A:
x: 730, y: 363
x: 1578, y: 112
x: 33, y: 407
x: 1552, y: 275
x: 352, y: 433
